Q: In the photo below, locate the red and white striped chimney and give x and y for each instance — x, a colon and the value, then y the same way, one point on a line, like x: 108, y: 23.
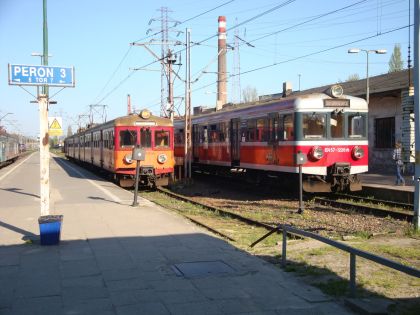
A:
x: 128, y: 104
x: 221, y: 69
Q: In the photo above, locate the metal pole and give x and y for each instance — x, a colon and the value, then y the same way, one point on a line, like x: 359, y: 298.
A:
x: 187, y: 131
x: 367, y: 76
x: 136, y: 184
x: 283, y: 251
x: 300, y: 190
x: 45, y: 43
x: 352, y: 274
x: 416, y: 218
x: 170, y: 86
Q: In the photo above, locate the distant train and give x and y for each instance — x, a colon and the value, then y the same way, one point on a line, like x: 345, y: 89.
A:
x: 9, y: 149
x: 261, y: 140
x: 109, y: 146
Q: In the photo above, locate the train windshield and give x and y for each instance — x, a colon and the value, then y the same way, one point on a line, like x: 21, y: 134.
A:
x: 314, y: 125
x: 337, y: 125
x: 128, y: 138
x: 161, y: 138
x: 356, y: 125
x: 145, y: 138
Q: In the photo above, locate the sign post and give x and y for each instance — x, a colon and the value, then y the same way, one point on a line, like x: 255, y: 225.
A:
x: 44, y: 153
x: 300, y: 159
x: 137, y: 155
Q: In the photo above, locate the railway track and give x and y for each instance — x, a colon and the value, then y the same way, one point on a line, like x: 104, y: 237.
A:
x: 222, y: 212
x: 391, y: 204
x: 374, y: 209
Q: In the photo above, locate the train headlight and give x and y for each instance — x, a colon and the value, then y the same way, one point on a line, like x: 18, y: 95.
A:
x: 128, y: 158
x: 162, y: 158
x: 357, y: 153
x: 316, y: 153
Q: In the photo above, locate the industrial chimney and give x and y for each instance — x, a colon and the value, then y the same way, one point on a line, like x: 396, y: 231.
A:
x: 221, y: 69
x: 128, y: 104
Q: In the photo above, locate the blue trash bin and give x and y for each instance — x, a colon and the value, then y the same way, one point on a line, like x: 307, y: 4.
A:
x: 50, y: 229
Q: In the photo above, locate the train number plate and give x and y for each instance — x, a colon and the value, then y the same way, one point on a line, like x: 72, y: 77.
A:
x: 339, y: 150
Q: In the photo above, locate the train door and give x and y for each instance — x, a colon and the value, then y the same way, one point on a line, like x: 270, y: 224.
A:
x: 196, y: 143
x: 273, y: 138
x: 2, y: 150
x: 235, y: 144
x: 204, y: 134
x: 101, y: 148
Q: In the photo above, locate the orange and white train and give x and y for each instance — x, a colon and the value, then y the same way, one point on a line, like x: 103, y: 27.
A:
x: 109, y: 147
x: 261, y: 140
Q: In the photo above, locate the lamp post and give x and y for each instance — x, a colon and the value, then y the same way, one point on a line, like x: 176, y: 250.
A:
x: 376, y: 51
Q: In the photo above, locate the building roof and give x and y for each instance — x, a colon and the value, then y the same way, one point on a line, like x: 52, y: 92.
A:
x: 393, y: 81
x: 388, y: 82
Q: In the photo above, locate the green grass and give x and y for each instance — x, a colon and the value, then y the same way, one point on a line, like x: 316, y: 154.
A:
x: 334, y: 287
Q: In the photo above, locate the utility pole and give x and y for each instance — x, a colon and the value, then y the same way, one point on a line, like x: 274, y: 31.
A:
x: 416, y: 217
x: 187, y: 129
x: 44, y: 145
x: 170, y: 60
x: 236, y: 78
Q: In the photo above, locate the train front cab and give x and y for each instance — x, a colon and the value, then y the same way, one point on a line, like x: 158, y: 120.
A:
x: 158, y: 166
x: 335, y: 142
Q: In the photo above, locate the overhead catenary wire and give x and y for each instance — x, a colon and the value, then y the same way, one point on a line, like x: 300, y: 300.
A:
x: 246, y: 21
x: 131, y: 46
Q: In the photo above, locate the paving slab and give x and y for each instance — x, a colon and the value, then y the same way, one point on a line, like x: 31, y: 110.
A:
x: 117, y: 259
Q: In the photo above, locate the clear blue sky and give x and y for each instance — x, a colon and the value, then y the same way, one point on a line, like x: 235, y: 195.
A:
x: 94, y: 36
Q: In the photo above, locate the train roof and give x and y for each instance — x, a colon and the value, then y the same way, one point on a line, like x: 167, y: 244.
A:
x: 301, y: 102
x: 144, y: 118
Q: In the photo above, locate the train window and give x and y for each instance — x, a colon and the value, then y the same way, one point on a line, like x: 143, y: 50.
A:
x: 179, y: 136
x: 204, y: 135
x: 313, y: 125
x: 288, y: 129
x: 128, y: 138
x: 262, y: 130
x: 356, y: 125
x: 145, y: 138
x: 223, y: 131
x: 251, y: 132
x: 111, y: 144
x: 273, y: 129
x: 337, y: 125
x: 213, y: 134
x: 161, y: 138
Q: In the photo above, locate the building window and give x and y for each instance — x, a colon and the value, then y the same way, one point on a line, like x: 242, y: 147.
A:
x: 385, y: 132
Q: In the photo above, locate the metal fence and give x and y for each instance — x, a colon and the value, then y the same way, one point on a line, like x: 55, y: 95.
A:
x: 351, y: 250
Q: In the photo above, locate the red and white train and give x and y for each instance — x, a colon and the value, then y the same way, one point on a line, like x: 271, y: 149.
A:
x: 262, y: 140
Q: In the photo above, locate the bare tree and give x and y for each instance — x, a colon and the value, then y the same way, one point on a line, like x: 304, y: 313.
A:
x: 249, y: 94
x: 353, y: 77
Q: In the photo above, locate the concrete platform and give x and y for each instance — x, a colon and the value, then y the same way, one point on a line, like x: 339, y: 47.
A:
x: 117, y: 259
x: 382, y: 186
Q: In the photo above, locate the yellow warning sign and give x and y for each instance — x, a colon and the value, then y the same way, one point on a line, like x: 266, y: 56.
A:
x: 54, y: 126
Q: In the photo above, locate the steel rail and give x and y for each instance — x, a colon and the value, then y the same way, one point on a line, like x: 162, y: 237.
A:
x: 364, y: 209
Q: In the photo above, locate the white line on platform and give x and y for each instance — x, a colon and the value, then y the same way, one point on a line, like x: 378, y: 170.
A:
x: 106, y: 192
x: 15, y: 167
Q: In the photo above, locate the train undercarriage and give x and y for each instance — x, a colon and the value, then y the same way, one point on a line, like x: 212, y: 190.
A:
x: 338, y: 179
